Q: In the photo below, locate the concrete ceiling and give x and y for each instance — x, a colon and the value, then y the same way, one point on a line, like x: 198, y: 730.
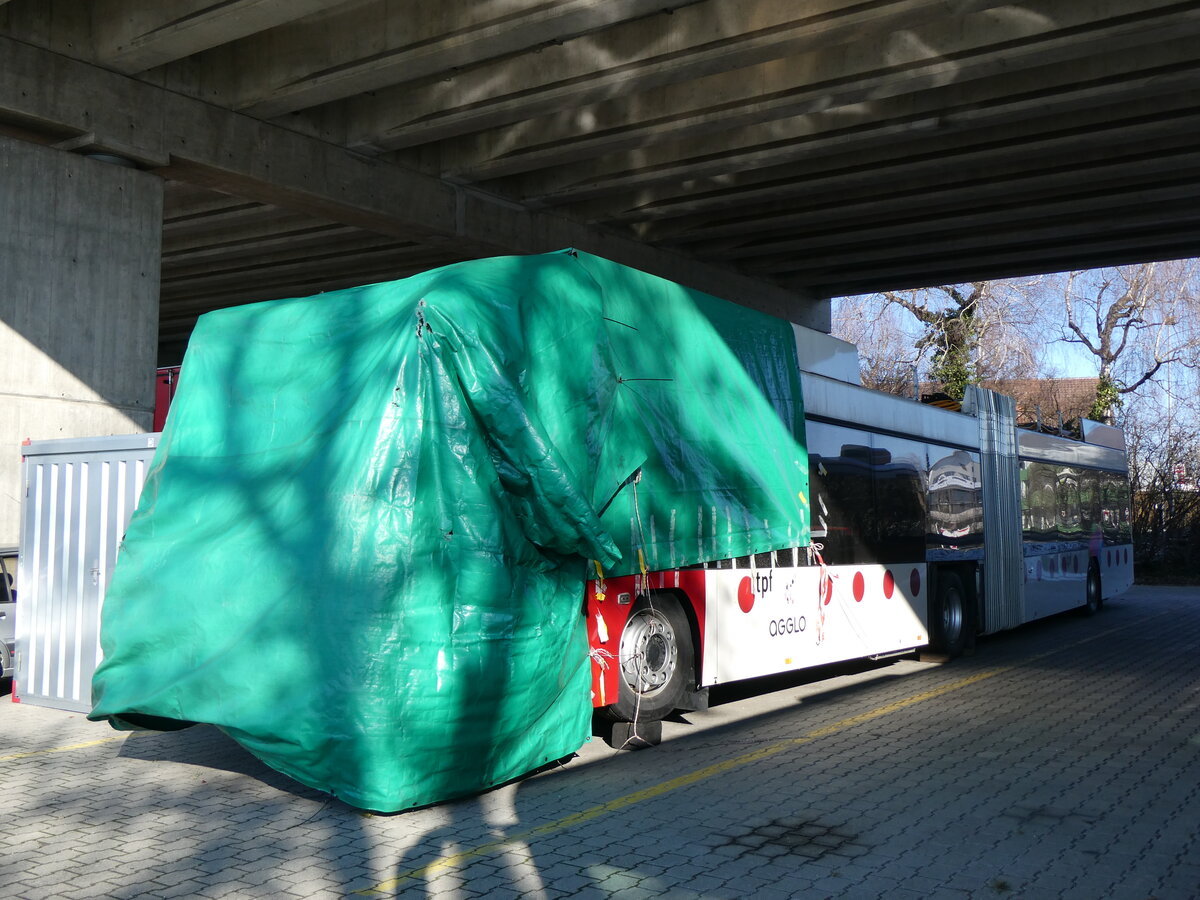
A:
x: 765, y: 151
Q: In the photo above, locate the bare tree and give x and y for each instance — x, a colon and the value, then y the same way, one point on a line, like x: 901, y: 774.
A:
x: 974, y: 332
x: 1162, y: 439
x: 963, y: 334
x: 1134, y: 320
x: 951, y: 331
x: 888, y: 360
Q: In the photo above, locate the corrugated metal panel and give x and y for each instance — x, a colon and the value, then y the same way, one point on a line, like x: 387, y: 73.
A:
x: 79, y: 496
x: 1003, y: 574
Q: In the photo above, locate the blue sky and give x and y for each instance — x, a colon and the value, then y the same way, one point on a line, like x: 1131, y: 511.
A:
x: 1071, y: 360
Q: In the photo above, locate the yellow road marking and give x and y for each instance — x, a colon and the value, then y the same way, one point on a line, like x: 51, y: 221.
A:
x: 657, y: 790
x: 702, y: 773
x: 29, y: 753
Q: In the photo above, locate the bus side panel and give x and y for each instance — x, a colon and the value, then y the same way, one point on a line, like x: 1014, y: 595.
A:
x: 1055, y: 581
x: 766, y: 621
x: 1116, y: 569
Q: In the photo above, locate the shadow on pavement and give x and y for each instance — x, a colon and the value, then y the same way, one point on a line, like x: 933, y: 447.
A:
x: 208, y: 746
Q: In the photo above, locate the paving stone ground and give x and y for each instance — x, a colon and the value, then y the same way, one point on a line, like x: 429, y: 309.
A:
x: 1059, y: 761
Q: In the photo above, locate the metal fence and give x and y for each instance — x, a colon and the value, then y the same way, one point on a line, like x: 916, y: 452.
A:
x: 79, y: 495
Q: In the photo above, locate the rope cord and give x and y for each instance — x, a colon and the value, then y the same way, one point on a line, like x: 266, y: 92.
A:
x: 640, y: 663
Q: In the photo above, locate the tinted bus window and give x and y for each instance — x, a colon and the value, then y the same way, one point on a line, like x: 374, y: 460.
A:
x: 1125, y: 527
x: 1110, y: 516
x: 868, y: 502
x: 955, y: 502
x: 898, y: 471
x: 839, y: 466
x: 1040, y: 511
x: 1069, y: 518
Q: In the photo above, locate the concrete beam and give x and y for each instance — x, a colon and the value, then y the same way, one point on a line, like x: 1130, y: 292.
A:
x: 1016, y: 262
x: 750, y: 186
x: 187, y: 295
x: 692, y: 43
x: 226, y: 220
x: 1072, y: 193
x: 181, y: 308
x: 376, y: 45
x: 135, y: 36
x: 268, y: 164
x: 1130, y: 213
x: 880, y: 68
x: 656, y: 170
x: 263, y: 260
x: 712, y: 211
x: 260, y: 241
x: 181, y: 200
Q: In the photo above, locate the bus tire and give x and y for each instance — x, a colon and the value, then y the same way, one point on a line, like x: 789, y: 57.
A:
x: 655, y: 663
x: 952, y: 622
x: 1094, y: 600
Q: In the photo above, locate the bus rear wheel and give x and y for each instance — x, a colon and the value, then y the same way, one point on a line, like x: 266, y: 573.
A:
x: 1094, y: 599
x: 951, y: 620
x: 655, y: 661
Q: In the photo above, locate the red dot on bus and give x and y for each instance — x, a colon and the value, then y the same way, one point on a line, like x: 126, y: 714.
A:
x: 860, y: 587
x: 914, y: 582
x: 889, y: 583
x: 745, y: 595
x: 828, y: 591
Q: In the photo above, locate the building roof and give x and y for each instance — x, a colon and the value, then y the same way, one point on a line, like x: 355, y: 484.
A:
x: 1070, y: 397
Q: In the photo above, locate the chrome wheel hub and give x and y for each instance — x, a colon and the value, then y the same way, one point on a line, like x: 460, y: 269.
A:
x: 649, y: 651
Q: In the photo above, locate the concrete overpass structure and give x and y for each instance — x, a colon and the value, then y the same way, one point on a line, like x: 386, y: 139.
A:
x: 161, y: 158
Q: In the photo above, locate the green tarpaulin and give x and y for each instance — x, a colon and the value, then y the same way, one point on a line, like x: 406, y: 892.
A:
x: 361, y: 547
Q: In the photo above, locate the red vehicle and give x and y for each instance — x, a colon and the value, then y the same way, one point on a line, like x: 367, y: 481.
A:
x: 166, y: 381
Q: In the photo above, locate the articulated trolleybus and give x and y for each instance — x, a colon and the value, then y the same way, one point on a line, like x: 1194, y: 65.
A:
x: 929, y: 527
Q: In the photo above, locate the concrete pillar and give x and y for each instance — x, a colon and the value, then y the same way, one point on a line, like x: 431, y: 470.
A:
x: 812, y: 312
x: 80, y: 241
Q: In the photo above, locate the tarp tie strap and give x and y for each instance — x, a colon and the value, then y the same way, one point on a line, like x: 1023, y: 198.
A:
x: 824, y: 587
x: 600, y: 658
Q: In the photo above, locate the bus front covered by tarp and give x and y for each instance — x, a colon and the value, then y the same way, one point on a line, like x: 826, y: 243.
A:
x: 362, y: 543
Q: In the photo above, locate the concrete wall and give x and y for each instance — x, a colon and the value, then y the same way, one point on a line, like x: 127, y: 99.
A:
x: 79, y: 270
